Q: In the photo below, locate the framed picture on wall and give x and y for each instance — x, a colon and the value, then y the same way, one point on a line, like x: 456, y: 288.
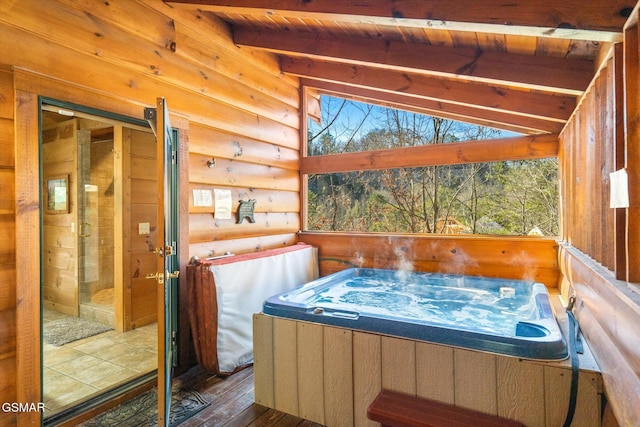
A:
x: 57, y: 193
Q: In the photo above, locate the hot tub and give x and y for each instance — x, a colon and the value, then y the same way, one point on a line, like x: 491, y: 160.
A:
x: 510, y: 317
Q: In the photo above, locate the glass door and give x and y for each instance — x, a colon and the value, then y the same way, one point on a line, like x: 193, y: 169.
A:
x: 167, y: 251
x: 95, y: 226
x: 99, y: 220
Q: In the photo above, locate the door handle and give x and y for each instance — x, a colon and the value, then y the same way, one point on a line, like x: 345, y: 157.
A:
x: 159, y: 277
x: 84, y: 229
x: 166, y: 251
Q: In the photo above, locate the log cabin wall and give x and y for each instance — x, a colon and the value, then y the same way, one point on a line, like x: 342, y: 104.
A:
x: 230, y: 105
x: 138, y: 203
x: 252, y: 169
x: 59, y: 249
x: 599, y: 256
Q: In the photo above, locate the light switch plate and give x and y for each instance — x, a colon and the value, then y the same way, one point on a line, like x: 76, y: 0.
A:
x: 143, y: 228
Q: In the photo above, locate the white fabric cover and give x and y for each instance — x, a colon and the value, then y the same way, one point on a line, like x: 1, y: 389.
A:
x: 243, y: 286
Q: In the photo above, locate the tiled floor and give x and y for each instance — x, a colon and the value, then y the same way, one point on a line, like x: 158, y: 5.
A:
x: 80, y: 369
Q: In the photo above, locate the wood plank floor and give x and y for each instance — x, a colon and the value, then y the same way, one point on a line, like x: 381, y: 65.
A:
x: 232, y: 402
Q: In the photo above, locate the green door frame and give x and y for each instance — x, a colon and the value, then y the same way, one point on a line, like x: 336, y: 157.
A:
x: 175, y: 264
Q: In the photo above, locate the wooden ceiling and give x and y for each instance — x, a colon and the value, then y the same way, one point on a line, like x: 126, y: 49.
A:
x: 519, y: 65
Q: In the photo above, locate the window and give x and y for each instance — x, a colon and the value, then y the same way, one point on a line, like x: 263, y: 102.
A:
x: 400, y: 182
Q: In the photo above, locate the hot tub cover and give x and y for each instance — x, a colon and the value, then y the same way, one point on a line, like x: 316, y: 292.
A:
x: 225, y: 293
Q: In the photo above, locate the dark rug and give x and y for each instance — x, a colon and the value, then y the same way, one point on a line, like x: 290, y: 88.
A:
x: 68, y: 329
x: 142, y: 411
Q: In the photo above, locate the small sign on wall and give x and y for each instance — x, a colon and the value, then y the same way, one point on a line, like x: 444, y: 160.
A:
x: 222, y: 204
x: 202, y: 198
x: 619, y: 195
x: 245, y: 210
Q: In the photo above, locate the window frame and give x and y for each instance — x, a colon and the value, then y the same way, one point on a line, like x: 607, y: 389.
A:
x: 527, y: 147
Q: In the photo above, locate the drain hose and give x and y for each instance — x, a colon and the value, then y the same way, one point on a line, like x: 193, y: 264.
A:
x: 574, y: 343
x: 343, y: 261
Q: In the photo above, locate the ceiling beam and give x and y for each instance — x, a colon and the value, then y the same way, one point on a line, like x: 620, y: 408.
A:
x: 445, y: 110
x: 490, y: 150
x: 559, y: 75
x: 597, y: 20
x: 525, y: 103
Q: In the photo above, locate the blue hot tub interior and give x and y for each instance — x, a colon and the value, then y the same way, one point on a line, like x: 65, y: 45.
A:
x: 511, y: 317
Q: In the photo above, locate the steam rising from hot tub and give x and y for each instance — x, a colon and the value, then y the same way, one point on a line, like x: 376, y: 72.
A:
x: 404, y: 266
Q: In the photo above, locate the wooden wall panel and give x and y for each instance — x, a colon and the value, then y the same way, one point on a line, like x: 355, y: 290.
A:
x: 8, y: 342
x: 601, y: 253
x: 213, y: 143
x: 8, y: 387
x: 140, y: 83
x: 367, y: 375
x: 632, y: 126
x: 235, y: 173
x: 589, y: 384
x: 204, y: 228
x: 6, y: 143
x: 8, y: 379
x: 338, y: 377
x: 59, y: 252
x: 596, y: 196
x: 606, y: 120
x: 7, y: 100
x: 7, y: 254
x: 140, y: 186
x: 8, y: 323
x: 522, y: 397
x: 229, y: 60
x: 28, y: 253
x: 240, y: 245
x: 202, y: 108
x: 7, y: 196
x: 356, y: 365
x: 398, y: 365
x: 263, y: 374
x: 608, y: 311
x: 472, y: 368
x: 589, y: 148
x: 7, y: 287
x: 435, y: 365
x: 285, y: 366
x: 122, y: 233
x: 250, y: 169
x: 310, y: 354
x: 266, y: 200
x: 515, y: 258
x: 88, y: 34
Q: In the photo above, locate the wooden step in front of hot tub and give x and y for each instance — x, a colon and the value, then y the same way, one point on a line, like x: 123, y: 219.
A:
x: 393, y: 409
